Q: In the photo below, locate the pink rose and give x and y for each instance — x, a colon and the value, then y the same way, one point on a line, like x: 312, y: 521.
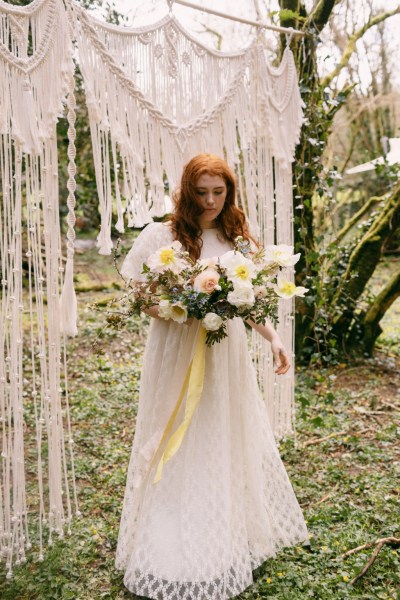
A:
x: 206, y: 281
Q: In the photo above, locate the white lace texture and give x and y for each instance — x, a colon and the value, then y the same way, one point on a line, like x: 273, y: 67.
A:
x: 224, y: 503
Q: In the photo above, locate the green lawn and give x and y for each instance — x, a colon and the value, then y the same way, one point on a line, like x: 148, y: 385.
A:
x: 347, y: 484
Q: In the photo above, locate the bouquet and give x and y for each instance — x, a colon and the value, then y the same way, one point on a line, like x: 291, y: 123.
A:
x: 240, y: 283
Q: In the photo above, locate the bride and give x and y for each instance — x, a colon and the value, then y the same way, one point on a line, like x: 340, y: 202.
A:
x: 224, y: 503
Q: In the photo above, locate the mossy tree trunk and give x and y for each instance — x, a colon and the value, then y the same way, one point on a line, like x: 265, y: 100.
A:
x: 361, y: 265
x: 309, y: 151
x: 369, y: 327
x: 321, y: 107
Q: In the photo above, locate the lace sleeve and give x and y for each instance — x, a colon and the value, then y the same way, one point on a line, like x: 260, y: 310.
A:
x: 152, y: 237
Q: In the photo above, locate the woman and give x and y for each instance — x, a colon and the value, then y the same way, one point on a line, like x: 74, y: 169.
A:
x: 224, y: 503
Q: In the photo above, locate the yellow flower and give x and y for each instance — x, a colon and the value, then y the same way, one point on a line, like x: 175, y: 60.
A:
x: 239, y: 269
x: 345, y: 578
x: 242, y: 272
x: 177, y: 312
x: 287, y: 289
x: 167, y: 256
x: 280, y: 574
x: 268, y: 580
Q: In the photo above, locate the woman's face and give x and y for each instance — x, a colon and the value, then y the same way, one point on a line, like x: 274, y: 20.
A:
x: 211, y: 193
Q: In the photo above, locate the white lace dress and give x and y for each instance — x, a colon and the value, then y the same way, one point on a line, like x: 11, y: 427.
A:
x: 224, y: 503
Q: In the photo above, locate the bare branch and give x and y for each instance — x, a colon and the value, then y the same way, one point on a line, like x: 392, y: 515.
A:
x: 320, y: 15
x: 323, y: 439
x: 351, y: 44
x: 355, y: 218
x: 208, y: 29
x: 378, y: 543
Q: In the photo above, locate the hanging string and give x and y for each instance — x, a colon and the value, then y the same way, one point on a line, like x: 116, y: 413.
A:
x: 68, y: 301
x: 150, y: 116
x: 31, y: 99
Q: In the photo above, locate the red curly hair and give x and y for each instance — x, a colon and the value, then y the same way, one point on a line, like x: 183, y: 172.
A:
x: 184, y: 220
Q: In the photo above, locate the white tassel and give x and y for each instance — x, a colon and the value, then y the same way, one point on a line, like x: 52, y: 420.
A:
x: 25, y: 127
x: 104, y: 242
x: 68, y: 301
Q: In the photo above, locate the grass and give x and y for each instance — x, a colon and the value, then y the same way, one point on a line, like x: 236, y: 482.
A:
x: 347, y: 485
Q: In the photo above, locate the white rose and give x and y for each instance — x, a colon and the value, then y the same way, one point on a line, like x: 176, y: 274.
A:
x: 241, y: 297
x: 212, y: 322
x: 177, y: 312
x: 260, y: 291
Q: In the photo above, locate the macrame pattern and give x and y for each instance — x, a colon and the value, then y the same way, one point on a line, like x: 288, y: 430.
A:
x: 32, y: 357
x: 157, y: 97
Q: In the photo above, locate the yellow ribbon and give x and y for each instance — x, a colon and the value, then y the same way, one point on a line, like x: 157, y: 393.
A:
x: 194, y: 381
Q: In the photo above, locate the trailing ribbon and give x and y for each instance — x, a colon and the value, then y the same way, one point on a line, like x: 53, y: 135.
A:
x: 193, y: 382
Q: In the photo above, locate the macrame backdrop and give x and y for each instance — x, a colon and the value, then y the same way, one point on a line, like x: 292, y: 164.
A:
x: 156, y: 97
x: 36, y: 76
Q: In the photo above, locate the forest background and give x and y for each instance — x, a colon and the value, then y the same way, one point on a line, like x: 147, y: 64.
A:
x: 344, y: 460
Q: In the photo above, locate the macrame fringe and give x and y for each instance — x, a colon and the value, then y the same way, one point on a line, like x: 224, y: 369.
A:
x: 174, y: 98
x: 156, y: 97
x: 68, y: 301
x: 32, y: 364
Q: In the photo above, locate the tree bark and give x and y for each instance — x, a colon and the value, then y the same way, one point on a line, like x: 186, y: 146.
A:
x: 384, y: 300
x: 355, y: 218
x: 362, y: 263
x: 319, y: 16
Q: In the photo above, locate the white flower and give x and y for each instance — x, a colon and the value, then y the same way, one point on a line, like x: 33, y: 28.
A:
x: 239, y: 269
x: 287, y: 289
x: 260, y: 291
x: 177, y: 311
x: 212, y: 322
x: 241, y: 297
x: 281, y: 254
x: 211, y: 263
x: 166, y: 258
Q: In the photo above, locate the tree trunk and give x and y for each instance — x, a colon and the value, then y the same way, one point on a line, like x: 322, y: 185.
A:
x: 355, y: 218
x: 371, y: 328
x: 362, y: 263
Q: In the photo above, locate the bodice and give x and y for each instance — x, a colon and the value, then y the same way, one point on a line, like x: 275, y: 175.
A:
x: 213, y: 244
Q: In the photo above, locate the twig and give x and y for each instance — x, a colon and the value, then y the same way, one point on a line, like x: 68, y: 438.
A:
x: 392, y: 406
x: 327, y: 437
x: 363, y: 411
x: 378, y: 543
x: 320, y: 500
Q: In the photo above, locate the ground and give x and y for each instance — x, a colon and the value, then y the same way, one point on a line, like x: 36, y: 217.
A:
x: 342, y: 465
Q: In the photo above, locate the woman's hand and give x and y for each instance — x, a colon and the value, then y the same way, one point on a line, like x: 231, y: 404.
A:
x: 281, y: 359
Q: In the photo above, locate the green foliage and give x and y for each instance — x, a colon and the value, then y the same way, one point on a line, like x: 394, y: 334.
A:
x: 286, y: 14
x: 344, y: 484
x: 335, y: 272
